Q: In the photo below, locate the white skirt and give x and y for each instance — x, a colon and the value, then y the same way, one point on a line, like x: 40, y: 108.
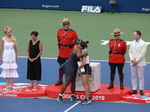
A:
x: 9, y: 73
x: 9, y: 65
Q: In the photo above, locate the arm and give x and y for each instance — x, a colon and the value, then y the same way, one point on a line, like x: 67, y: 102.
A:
x: 80, y: 54
x: 41, y: 51
x: 133, y: 61
x: 83, y: 62
x: 75, y: 37
x: 1, y: 48
x: 16, y: 51
x: 143, y: 52
x: 130, y: 53
x: 124, y: 48
x: 27, y: 51
x: 109, y: 49
x: 58, y: 40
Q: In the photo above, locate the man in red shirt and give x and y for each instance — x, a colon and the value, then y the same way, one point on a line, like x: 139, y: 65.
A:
x: 66, y: 40
x: 116, y: 57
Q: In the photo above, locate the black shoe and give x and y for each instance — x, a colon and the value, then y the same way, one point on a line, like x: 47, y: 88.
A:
x: 60, y: 100
x: 59, y: 82
x: 141, y: 92
x: 86, y: 101
x: 133, y: 92
x: 83, y: 100
x: 73, y: 98
x: 121, y: 86
x: 110, y: 86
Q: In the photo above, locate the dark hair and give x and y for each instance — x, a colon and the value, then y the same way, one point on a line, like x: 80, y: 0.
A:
x: 138, y: 32
x: 84, y: 44
x: 34, y: 33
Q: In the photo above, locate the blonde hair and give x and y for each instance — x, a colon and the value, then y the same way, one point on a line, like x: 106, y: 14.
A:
x: 12, y: 38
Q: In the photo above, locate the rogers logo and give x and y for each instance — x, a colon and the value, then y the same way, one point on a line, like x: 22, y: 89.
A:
x: 50, y: 6
x: 146, y: 9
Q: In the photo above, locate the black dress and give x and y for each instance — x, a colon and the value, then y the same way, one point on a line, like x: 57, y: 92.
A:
x: 70, y: 66
x: 34, y: 68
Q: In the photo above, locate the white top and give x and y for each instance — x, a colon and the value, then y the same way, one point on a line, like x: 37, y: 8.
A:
x: 87, y: 57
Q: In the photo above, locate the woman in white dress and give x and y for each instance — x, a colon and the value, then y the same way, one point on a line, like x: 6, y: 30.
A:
x: 9, y: 66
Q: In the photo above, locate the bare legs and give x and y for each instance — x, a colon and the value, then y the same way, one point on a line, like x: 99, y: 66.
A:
x: 85, y: 82
x: 66, y: 84
x: 32, y: 84
x: 9, y: 83
x: 69, y: 80
x: 37, y: 84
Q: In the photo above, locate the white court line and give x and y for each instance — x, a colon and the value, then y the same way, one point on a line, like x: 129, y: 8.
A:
x: 72, y: 106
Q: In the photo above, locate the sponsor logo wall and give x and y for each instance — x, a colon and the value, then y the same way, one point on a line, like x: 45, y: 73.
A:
x: 91, y: 9
x: 142, y: 6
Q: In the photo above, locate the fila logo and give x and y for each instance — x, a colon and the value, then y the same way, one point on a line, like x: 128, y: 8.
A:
x: 91, y: 9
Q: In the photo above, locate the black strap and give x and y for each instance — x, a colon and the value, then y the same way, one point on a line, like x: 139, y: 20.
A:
x: 117, y: 52
x: 63, y: 35
x: 64, y: 45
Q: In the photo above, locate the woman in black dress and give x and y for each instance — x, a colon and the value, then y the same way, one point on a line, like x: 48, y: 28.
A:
x: 70, y: 70
x: 34, y: 51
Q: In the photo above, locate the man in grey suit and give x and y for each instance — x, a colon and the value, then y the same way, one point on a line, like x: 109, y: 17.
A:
x: 137, y: 53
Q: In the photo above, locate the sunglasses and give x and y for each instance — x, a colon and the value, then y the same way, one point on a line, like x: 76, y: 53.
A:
x: 66, y: 24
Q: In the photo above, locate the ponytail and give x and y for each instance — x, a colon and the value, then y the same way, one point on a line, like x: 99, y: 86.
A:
x: 86, y: 42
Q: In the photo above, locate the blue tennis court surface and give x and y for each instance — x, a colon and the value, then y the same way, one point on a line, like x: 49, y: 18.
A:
x: 47, y: 105
x: 50, y: 76
x: 50, y: 72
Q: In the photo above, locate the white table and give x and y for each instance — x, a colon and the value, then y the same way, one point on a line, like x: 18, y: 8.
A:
x: 94, y: 79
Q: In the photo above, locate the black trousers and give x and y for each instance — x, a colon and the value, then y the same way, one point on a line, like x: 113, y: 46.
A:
x: 61, y: 60
x: 119, y: 67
